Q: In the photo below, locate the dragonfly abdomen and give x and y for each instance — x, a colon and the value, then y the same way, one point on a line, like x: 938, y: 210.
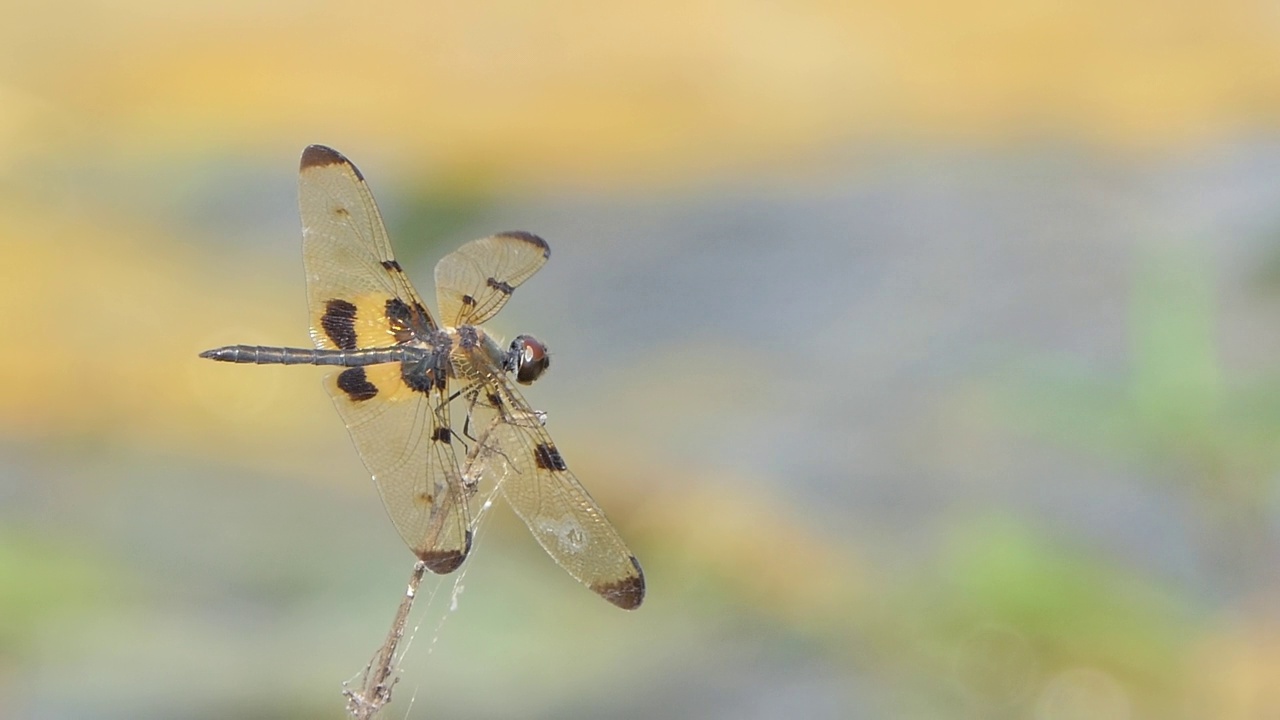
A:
x: 261, y: 355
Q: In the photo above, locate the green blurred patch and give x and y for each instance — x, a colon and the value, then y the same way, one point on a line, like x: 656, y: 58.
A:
x: 1174, y: 414
x: 43, y: 583
x: 433, y: 214
x: 1175, y: 410
x: 1074, y: 607
x: 1266, y: 273
x: 1011, y: 606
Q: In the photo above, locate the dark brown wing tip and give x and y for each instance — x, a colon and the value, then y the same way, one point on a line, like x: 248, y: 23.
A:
x: 323, y: 156
x: 442, y: 562
x: 626, y: 593
x: 531, y: 239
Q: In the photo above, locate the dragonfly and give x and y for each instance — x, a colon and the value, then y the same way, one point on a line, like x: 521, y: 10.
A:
x: 400, y: 371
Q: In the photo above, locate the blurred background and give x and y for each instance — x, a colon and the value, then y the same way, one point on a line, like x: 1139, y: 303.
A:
x: 923, y: 352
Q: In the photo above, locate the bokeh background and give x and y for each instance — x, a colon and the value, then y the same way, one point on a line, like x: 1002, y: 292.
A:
x: 924, y: 352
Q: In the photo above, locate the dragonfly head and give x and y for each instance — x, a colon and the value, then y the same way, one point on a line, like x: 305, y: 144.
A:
x: 527, y: 358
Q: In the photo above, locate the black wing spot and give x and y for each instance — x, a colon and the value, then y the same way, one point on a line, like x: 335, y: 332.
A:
x: 431, y: 371
x: 392, y: 265
x: 339, y: 323
x: 548, y: 458
x: 400, y: 319
x: 356, y: 385
x: 422, y: 313
x: 501, y: 286
x: 468, y: 301
x: 442, y: 434
x: 495, y: 400
x: 530, y: 238
x: 419, y: 376
x: 397, y: 310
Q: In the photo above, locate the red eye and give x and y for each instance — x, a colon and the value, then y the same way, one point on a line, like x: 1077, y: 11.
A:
x: 528, y: 358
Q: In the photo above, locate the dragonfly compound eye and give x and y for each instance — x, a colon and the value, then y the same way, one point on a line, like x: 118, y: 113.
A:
x: 529, y: 358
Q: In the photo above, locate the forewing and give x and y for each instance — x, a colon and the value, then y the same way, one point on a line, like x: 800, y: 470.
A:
x: 560, y: 513
x: 403, y: 437
x: 476, y: 280
x: 360, y: 298
x: 357, y: 293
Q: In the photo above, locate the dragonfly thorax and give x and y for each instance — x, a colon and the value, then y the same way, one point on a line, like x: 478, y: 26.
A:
x: 526, y: 358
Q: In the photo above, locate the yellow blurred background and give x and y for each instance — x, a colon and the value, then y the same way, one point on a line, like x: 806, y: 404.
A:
x: 924, y: 353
